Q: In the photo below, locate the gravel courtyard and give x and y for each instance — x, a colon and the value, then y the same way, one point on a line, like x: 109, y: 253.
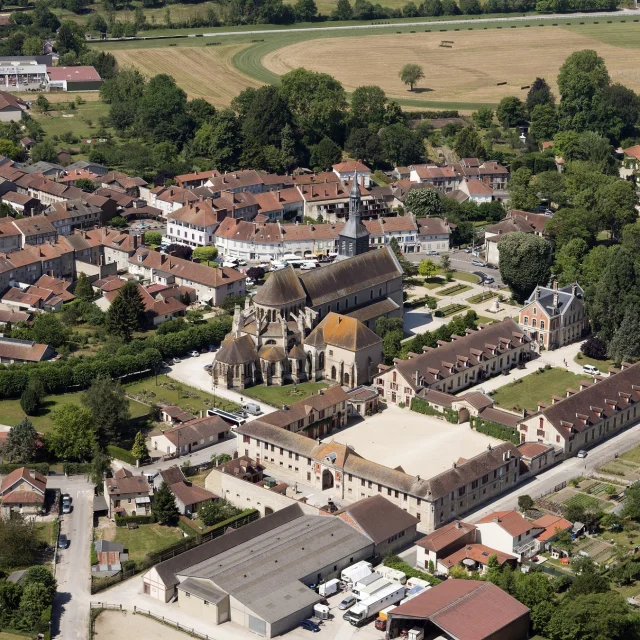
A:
x: 421, y: 445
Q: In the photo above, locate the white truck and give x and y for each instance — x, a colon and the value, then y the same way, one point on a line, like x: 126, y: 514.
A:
x: 366, y: 610
x: 391, y: 574
x: 329, y: 588
x: 356, y: 572
x: 369, y: 585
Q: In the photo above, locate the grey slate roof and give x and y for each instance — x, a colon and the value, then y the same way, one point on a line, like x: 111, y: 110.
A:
x: 282, y: 287
x: 201, y: 589
x: 237, y: 351
x: 546, y: 294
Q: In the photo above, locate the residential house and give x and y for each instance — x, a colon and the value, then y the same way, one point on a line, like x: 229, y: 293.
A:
x: 363, y: 401
x: 211, y: 285
x: 70, y: 215
x: 401, y: 228
x: 476, y: 191
x: 537, y: 220
x: 22, y: 491
x: 330, y: 465
x: 47, y: 294
x: 195, y: 179
x: 167, y: 199
x: 434, y: 234
x: 241, y: 205
x: 194, y: 225
x: 116, y: 246
x: 462, y: 610
x: 9, y: 317
x: 157, y: 308
x: 71, y: 176
x: 47, y: 191
x: 11, y: 107
x: 35, y: 230
x: 14, y: 351
x: 42, y: 168
x: 316, y: 415
x: 552, y: 526
x: 21, y: 203
x: 189, y: 497
x: 495, y: 232
x: 237, y: 182
x: 508, y: 532
x: 281, y: 204
x: 173, y: 415
x: 244, y: 468
x: 443, y: 179
x: 491, y: 173
x: 442, y: 542
x: 10, y: 236
x: 453, y: 366
x: 553, y: 317
x: 93, y: 167
x: 343, y: 349
x: 118, y: 181
x: 191, y: 436
x: 127, y: 494
x: 588, y: 415
x: 352, y: 169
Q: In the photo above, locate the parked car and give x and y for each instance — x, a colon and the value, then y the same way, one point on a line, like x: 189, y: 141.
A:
x: 194, y: 353
x: 478, y: 263
x: 582, y: 453
x: 176, y: 361
x: 164, y: 365
x: 212, y: 348
x: 66, y: 498
x: 208, y: 367
x: 590, y: 370
x: 467, y: 250
x: 432, y: 252
x: 310, y: 625
x: 66, y: 508
x: 252, y: 408
x: 349, y: 601
x: 63, y: 541
x: 489, y: 280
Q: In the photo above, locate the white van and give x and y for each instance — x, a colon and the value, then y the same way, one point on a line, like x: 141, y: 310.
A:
x: 590, y: 370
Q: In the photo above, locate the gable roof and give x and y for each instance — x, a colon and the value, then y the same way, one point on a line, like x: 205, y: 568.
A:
x: 344, y: 332
x: 350, y: 166
x: 551, y: 525
x: 281, y: 288
x: 237, y: 350
x: 444, y: 536
x: 479, y: 553
x: 14, y: 349
x: 125, y: 482
x: 35, y: 479
x: 510, y: 521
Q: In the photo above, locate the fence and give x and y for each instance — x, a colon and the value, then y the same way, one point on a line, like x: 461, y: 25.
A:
x: 95, y: 608
x: 170, y: 623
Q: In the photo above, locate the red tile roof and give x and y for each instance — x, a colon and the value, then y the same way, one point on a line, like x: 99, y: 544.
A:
x: 350, y: 166
x: 551, y: 525
x: 73, y: 74
x: 532, y: 449
x: 446, y: 535
x: 479, y: 553
x: 465, y: 609
x: 37, y: 480
x: 511, y: 521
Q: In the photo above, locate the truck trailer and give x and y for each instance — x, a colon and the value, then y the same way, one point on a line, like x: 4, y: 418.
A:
x: 366, y: 610
x: 356, y: 572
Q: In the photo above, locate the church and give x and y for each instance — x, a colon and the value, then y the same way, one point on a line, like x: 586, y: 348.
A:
x: 319, y: 324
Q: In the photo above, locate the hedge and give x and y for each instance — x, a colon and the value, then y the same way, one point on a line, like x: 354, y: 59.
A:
x: 138, y: 356
x: 121, y: 454
x: 123, y: 521
x: 495, y: 430
x: 76, y: 468
x: 395, y: 562
x: 40, y: 467
x: 422, y: 406
x: 186, y: 526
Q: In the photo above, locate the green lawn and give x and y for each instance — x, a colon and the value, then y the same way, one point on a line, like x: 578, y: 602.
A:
x: 450, y: 309
x: 467, y: 277
x: 433, y: 283
x: 277, y: 396
x: 11, y: 412
x: 633, y: 455
x: 482, y: 297
x: 601, y: 365
x: 536, y: 387
x: 45, y: 531
x: 454, y: 290
x: 485, y: 320
x: 170, y: 391
x: 147, y: 538
x: 82, y: 121
x: 14, y: 636
x: 587, y: 502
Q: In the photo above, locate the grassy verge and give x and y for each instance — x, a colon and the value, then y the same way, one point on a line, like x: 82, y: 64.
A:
x: 11, y: 412
x: 45, y: 531
x: 169, y: 391
x: 482, y: 297
x: 602, y: 365
x: 277, y: 396
x: 147, y: 538
x: 537, y: 387
x: 454, y: 290
x: 450, y: 309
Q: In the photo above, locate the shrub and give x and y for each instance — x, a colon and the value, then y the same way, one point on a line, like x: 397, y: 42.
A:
x: 495, y: 430
x: 422, y: 406
x: 594, y: 348
x: 123, y: 521
x: 395, y: 562
x: 121, y: 454
x: 40, y: 467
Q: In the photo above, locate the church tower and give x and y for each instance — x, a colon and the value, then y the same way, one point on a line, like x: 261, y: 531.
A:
x: 354, y: 238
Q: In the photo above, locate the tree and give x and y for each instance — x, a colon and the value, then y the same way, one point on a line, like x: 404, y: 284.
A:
x: 213, y: 512
x: 522, y: 195
x: 74, y: 433
x: 194, y: 316
x: 572, y: 223
x: 21, y: 444
x: 205, y: 254
x: 539, y: 94
x: 410, y: 74
x: 544, y: 122
x: 468, y: 144
x: 153, y: 237
x: 32, y: 46
x: 594, y: 348
x: 41, y: 575
x: 18, y: 541
x: 83, y: 289
x: 401, y: 145
x: 423, y: 202
x: 255, y: 273
x: 44, y: 152
x: 616, y: 206
x: 30, y: 401
x: 427, y: 268
x: 368, y: 107
x: 582, y: 75
x: 127, y: 312
x: 625, y: 345
x: 525, y: 502
x: 569, y: 260
x: 524, y: 262
x: 325, y: 154
x: 483, y: 117
x: 86, y: 185
x: 139, y: 449
x: 510, y: 111
x: 99, y: 467
x: 164, y: 507
x: 47, y: 329
x: 118, y: 222
x: 305, y: 10
x: 70, y: 37
x: 343, y: 10
x: 109, y: 407
x: 35, y: 599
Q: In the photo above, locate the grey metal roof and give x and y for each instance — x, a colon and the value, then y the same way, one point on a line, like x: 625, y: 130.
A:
x: 100, y: 504
x: 104, y: 546
x: 277, y: 560
x: 202, y: 589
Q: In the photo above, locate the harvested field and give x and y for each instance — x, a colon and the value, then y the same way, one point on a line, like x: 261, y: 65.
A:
x: 203, y: 72
x: 467, y: 72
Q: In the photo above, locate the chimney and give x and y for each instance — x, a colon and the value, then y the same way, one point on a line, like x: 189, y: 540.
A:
x: 135, y: 242
x: 556, y: 297
x: 458, y: 524
x: 417, y: 378
x: 320, y: 392
x: 537, y: 293
x: 555, y: 285
x: 454, y: 465
x: 574, y: 288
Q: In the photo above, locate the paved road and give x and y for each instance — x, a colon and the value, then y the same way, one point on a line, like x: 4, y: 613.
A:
x: 71, y: 604
x: 460, y: 261
x: 563, y: 472
x: 392, y: 25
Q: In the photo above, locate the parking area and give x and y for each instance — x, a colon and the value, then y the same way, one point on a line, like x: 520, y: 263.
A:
x: 421, y: 445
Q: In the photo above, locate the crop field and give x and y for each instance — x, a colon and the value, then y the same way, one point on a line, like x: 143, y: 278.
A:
x: 463, y: 76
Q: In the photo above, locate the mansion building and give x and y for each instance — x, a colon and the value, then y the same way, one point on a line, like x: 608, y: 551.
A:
x: 316, y: 325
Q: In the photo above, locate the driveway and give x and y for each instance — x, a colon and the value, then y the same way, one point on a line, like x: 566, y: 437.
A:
x: 71, y: 604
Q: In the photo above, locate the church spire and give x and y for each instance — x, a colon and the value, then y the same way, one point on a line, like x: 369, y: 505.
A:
x: 354, y: 238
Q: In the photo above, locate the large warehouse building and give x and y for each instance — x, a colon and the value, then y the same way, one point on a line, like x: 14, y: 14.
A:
x: 259, y: 575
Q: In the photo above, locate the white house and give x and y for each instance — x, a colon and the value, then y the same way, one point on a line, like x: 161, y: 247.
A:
x: 347, y: 171
x: 508, y: 531
x: 194, y: 224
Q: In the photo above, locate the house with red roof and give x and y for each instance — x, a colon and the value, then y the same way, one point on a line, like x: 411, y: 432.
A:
x: 553, y: 526
x: 462, y: 610
x: 352, y: 168
x: 23, y: 491
x: 508, y: 532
